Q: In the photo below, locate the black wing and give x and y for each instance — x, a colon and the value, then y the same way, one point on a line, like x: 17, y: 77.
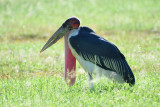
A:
x: 101, y: 52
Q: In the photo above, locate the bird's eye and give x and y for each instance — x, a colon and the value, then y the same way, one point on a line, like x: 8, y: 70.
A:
x: 64, y: 25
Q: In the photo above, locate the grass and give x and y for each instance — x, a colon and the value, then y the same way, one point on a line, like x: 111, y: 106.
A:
x: 25, y: 18
x: 28, y: 78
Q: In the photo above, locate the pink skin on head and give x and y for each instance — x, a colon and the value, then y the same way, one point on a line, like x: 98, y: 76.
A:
x: 70, y: 64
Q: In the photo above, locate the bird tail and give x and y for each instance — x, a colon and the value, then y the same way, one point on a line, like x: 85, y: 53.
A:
x: 129, y: 76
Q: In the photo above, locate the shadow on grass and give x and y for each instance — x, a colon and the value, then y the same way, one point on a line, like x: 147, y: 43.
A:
x: 23, y: 37
x: 29, y: 36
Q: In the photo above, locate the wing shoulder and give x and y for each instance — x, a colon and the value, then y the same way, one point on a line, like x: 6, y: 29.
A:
x: 97, y: 50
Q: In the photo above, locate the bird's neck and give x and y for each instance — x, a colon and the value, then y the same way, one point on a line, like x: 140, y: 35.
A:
x: 74, y: 32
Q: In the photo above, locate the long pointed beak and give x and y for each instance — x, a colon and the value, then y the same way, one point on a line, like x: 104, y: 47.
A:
x: 55, y: 37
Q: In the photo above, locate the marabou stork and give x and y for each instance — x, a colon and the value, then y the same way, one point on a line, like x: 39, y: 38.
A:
x: 95, y: 54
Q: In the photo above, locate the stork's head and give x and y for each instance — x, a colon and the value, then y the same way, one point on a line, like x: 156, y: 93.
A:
x: 71, y: 23
x: 67, y: 26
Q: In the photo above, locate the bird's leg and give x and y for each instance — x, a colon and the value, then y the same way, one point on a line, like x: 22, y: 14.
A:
x: 90, y: 78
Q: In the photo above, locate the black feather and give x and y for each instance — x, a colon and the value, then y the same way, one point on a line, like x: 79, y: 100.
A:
x: 101, y: 52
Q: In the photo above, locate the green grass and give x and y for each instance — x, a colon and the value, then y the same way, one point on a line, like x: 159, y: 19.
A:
x: 28, y: 78
x: 23, y: 19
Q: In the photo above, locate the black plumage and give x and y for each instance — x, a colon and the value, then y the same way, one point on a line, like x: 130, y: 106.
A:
x: 101, y: 52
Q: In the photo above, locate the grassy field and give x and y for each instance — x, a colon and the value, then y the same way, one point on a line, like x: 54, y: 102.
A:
x: 28, y: 78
